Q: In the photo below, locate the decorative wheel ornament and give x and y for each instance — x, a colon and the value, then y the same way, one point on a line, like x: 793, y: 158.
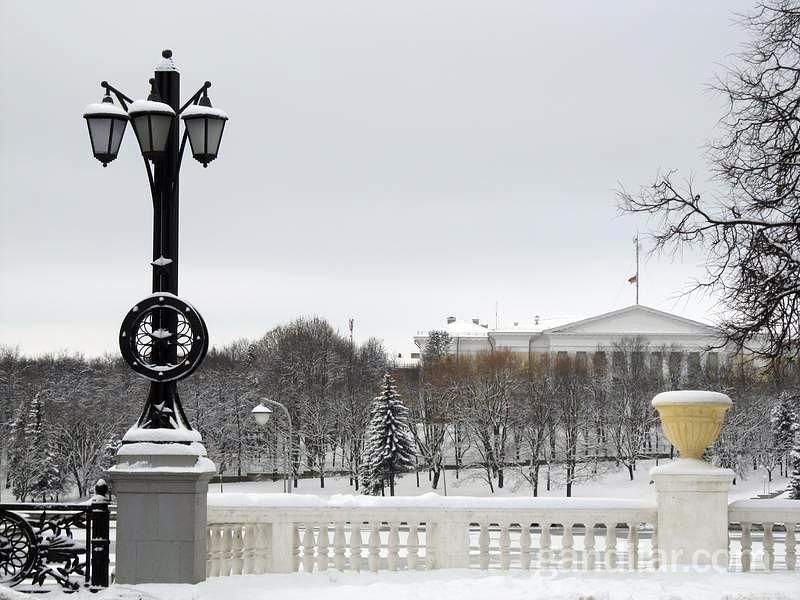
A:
x: 17, y: 548
x: 163, y: 338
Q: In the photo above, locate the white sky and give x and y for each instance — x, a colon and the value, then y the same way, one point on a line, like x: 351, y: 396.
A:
x: 396, y: 162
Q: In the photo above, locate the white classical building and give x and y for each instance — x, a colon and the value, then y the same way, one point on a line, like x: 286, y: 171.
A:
x: 659, y: 329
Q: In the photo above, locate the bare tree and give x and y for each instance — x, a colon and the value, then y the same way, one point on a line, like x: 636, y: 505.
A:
x: 533, y: 417
x: 750, y: 226
x: 633, y: 383
x: 486, y: 393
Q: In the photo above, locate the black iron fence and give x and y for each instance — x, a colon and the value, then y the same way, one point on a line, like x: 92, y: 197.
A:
x: 63, y: 543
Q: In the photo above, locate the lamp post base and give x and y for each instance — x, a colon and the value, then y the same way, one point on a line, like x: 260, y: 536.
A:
x: 161, y: 493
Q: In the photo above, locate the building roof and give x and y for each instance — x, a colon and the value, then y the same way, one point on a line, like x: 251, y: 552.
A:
x: 656, y: 321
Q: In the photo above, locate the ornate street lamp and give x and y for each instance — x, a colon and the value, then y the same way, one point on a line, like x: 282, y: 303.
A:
x: 205, y: 124
x: 106, y: 123
x: 151, y: 120
x: 163, y: 338
x: 261, y: 414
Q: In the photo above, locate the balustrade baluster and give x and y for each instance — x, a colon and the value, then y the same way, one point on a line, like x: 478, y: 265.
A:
x: 210, y: 551
x: 430, y: 545
x: 374, y: 542
x: 505, y: 546
x: 263, y: 558
x: 412, y: 546
x: 249, y: 549
x: 295, y: 547
x: 566, y: 547
x: 213, y: 550
x: 789, y: 544
x: 525, y: 546
x: 588, y: 546
x: 338, y: 545
x: 545, y: 556
x: 769, y: 547
x: 355, y: 546
x: 322, y: 547
x: 226, y: 552
x: 483, y: 546
x: 611, y: 546
x: 655, y: 553
x: 237, y: 550
x: 308, y: 548
x: 633, y: 546
x: 393, y: 546
x: 747, y: 547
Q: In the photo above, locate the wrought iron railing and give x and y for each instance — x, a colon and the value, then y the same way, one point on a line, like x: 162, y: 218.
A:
x: 63, y: 543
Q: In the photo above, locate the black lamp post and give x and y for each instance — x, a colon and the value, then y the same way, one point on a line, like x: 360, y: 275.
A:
x: 163, y: 338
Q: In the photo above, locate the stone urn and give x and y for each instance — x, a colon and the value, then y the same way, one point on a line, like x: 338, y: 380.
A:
x: 691, y: 419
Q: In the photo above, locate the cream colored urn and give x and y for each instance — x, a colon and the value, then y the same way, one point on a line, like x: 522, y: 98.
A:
x: 691, y: 419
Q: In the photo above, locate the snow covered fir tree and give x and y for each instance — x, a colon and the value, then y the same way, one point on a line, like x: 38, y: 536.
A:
x: 389, y: 449
x: 786, y: 444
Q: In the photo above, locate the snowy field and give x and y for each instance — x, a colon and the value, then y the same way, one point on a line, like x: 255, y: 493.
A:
x: 463, y: 585
x: 608, y: 483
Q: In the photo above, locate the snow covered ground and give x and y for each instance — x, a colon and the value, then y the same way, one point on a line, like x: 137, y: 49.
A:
x: 608, y: 483
x: 465, y: 585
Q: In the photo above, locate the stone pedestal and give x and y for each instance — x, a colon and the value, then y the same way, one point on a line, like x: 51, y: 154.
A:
x: 161, y: 488
x: 692, y: 499
x: 451, y: 542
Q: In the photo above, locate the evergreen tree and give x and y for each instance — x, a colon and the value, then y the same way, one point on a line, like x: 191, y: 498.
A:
x: 28, y: 449
x: 437, y: 345
x: 785, y: 422
x: 794, y: 480
x: 17, y: 477
x: 389, y: 449
x: 785, y: 427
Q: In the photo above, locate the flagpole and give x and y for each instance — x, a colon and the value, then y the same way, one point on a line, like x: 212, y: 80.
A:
x: 636, y: 241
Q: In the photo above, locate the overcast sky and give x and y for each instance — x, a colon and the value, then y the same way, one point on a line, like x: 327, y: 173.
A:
x: 396, y: 162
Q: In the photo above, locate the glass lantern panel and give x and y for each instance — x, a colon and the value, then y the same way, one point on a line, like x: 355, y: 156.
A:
x: 161, y: 124
x: 197, y: 135
x: 141, y: 125
x: 116, y: 134
x: 99, y: 128
x: 215, y: 127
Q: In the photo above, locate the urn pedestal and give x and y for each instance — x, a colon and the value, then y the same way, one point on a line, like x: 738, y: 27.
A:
x: 692, y: 495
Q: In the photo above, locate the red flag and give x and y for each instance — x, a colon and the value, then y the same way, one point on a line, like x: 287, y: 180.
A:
x: 633, y: 279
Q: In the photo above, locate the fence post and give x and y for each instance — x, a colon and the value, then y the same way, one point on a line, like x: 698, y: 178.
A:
x: 99, y: 546
x: 450, y: 538
x: 284, y: 548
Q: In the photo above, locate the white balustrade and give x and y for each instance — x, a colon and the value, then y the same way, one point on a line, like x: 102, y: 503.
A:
x: 271, y: 533
x: 764, y: 532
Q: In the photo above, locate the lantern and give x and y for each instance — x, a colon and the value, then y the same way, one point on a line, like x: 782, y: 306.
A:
x: 152, y: 122
x: 204, y: 124
x: 106, y: 122
x: 261, y: 414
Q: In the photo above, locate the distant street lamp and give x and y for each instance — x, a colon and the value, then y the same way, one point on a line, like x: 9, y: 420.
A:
x: 261, y: 414
x: 162, y: 338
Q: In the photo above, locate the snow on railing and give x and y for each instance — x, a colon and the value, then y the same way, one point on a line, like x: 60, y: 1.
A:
x: 757, y: 527
x: 260, y: 533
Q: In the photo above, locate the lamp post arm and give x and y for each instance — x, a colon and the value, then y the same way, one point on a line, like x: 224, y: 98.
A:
x: 193, y: 100
x: 195, y: 97
x: 183, y: 145
x: 121, y: 98
x: 150, y: 179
